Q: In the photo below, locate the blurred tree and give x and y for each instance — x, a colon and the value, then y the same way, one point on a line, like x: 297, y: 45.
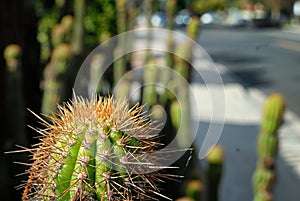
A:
x: 203, y: 6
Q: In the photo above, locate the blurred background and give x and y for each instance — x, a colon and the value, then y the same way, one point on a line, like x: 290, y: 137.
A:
x: 258, y: 41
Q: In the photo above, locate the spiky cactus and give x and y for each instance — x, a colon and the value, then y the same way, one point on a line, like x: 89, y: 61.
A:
x: 214, y: 172
x: 95, y: 150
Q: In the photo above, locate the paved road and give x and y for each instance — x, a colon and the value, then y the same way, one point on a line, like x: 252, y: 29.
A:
x: 263, y: 58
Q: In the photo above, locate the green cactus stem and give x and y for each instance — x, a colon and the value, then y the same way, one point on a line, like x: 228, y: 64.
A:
x: 185, y: 199
x: 150, y: 79
x: 264, y: 176
x: 215, y: 160
x: 175, y: 113
x: 67, y: 22
x: 95, y: 150
x: 263, y: 196
x: 273, y: 113
x: 15, y: 113
x: 193, y: 28
x: 54, y: 78
x: 78, y: 28
x: 120, y: 65
x: 45, y: 26
x: 194, y: 189
x: 58, y: 35
x: 171, y: 10
x: 267, y: 145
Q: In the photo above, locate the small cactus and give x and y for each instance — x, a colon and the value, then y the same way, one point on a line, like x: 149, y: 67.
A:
x: 12, y: 55
x: 273, y: 113
x: 194, y: 189
x: 214, y: 171
x: 94, y: 150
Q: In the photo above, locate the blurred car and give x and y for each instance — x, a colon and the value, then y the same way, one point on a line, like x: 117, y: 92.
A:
x: 182, y: 18
x: 210, y: 18
x: 159, y: 19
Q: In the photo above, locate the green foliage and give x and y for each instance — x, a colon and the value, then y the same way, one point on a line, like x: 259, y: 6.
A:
x: 100, y: 18
x: 203, y: 6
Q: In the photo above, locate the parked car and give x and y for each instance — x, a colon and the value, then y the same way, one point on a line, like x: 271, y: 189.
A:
x: 182, y: 18
x: 159, y: 19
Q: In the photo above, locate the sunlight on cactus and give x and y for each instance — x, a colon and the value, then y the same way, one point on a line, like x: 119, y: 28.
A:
x: 95, y: 150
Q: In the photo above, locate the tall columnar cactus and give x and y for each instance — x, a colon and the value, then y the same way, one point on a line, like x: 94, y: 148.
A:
x: 54, y: 78
x: 194, y: 189
x: 150, y: 80
x: 267, y: 145
x: 273, y: 113
x: 169, y: 56
x: 193, y: 28
x: 14, y: 94
x: 264, y: 176
x: 214, y: 172
x: 120, y: 65
x: 95, y: 150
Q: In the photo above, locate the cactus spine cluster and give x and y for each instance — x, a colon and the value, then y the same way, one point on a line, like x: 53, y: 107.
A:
x: 267, y: 147
x: 94, y: 150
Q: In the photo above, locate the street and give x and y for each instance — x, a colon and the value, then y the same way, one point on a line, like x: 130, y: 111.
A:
x: 266, y: 59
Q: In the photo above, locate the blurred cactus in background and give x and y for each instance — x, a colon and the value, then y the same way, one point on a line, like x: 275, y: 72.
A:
x: 54, y: 78
x: 15, y: 107
x: 215, y: 160
x: 267, y: 147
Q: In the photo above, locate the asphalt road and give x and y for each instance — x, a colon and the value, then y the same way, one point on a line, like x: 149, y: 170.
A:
x: 267, y: 59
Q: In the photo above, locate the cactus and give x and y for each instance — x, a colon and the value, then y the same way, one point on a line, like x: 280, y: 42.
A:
x: 67, y: 22
x: 263, y: 179
x: 54, y: 76
x: 273, y: 113
x: 185, y: 199
x: 14, y: 100
x: 57, y: 35
x: 194, y: 189
x: 45, y: 26
x: 150, y: 79
x: 175, y: 112
x: 193, y: 28
x: 120, y: 65
x: 94, y: 150
x: 214, y: 172
x: 267, y: 146
x: 263, y: 196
